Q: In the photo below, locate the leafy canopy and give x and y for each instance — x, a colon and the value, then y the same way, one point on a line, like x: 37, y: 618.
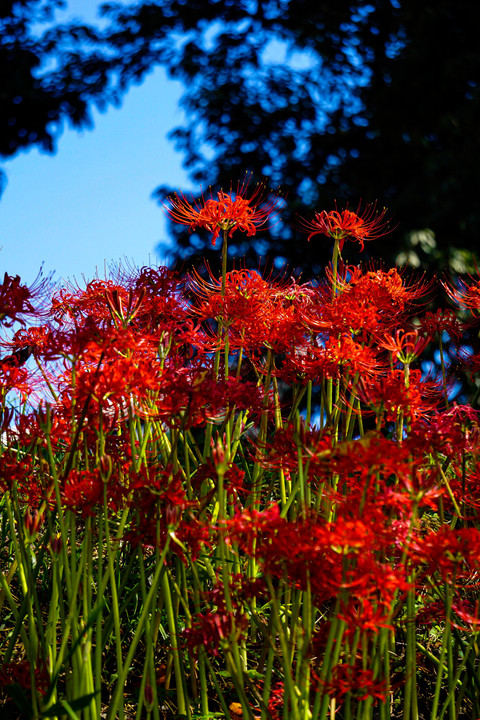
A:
x: 372, y: 100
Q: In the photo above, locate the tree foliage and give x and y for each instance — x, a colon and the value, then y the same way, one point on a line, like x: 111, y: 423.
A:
x: 359, y: 99
x: 371, y: 99
x: 49, y: 73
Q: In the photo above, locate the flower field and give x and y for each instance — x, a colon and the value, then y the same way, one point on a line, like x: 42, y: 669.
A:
x: 241, y: 496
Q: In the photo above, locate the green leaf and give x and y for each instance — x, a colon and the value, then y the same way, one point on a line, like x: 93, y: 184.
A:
x: 77, y: 704
x: 89, y: 623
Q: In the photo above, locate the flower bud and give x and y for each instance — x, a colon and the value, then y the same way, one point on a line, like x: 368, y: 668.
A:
x: 106, y: 467
x: 31, y: 522
x: 171, y: 515
x: 219, y: 454
x: 148, y: 694
x: 56, y: 544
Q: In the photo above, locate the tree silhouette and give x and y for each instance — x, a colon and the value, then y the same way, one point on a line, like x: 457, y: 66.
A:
x: 376, y: 100
x: 371, y: 99
x: 49, y: 74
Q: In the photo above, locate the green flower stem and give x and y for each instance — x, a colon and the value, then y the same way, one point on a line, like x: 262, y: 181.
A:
x: 51, y: 634
x: 305, y: 495
x: 25, y: 577
x: 221, y: 330
x: 158, y: 576
x: 444, y: 654
x: 410, y: 709
x: 442, y: 364
x: 308, y: 416
x: 182, y: 706
x: 298, y: 395
x: 224, y: 559
x: 262, y: 433
x: 331, y: 655
x: 98, y: 625
x: 291, y: 688
x: 219, y: 693
x: 224, y: 260
x: 335, y: 258
x: 18, y: 616
x: 202, y: 659
x: 303, y: 678
x: 267, y: 683
x: 187, y: 455
x: 113, y: 590
x: 456, y: 682
x: 61, y: 521
x: 236, y: 673
x: 448, y: 489
x: 149, y: 665
x: 45, y: 377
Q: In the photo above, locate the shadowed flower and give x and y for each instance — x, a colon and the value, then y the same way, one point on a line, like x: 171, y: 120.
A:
x: 353, y: 680
x: 347, y: 225
x: 18, y: 300
x: 466, y: 295
x: 231, y: 211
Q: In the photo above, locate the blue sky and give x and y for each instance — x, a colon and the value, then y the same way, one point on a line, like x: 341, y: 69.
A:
x: 90, y: 203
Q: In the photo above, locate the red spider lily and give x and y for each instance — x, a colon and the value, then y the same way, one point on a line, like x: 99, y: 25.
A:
x: 19, y: 472
x: 347, y: 225
x: 14, y: 471
x: 216, y: 630
x: 388, y: 396
x: 311, y: 552
x: 150, y: 298
x: 161, y: 507
x: 120, y: 367
x: 20, y: 673
x: 246, y: 293
x: 16, y: 299
x: 465, y: 486
x: 361, y: 614
x: 234, y: 482
x: 83, y: 492
x: 452, y: 432
x: 372, y: 453
x: 35, y: 340
x: 354, y: 680
x: 30, y: 428
x: 469, y: 362
x: 366, y: 302
x: 72, y: 303
x: 15, y: 379
x: 275, y: 701
x: 391, y: 287
x: 124, y: 310
x: 405, y: 346
x: 349, y: 312
x: 230, y: 212
x: 399, y: 477
x: 441, y: 321
x: 337, y: 356
x: 469, y: 614
x: 32, y: 521
x: 448, y: 551
x: 281, y: 452
x: 190, y: 396
x: 466, y: 296
x: 258, y: 313
x: 217, y: 626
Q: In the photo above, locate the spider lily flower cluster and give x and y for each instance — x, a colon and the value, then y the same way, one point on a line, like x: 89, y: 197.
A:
x: 347, y: 225
x: 228, y: 213
x: 240, y: 495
